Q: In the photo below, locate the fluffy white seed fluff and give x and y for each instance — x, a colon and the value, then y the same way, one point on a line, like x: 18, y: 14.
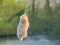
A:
x: 22, y: 27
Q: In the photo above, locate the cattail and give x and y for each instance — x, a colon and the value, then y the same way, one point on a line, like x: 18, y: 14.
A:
x: 23, y: 27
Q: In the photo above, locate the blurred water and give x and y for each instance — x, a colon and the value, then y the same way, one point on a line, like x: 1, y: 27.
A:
x: 30, y: 41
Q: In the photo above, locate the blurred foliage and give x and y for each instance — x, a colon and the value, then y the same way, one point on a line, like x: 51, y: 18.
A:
x: 44, y: 21
x: 9, y: 9
x: 6, y: 28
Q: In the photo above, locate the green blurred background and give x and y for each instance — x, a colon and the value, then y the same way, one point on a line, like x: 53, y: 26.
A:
x: 44, y: 16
